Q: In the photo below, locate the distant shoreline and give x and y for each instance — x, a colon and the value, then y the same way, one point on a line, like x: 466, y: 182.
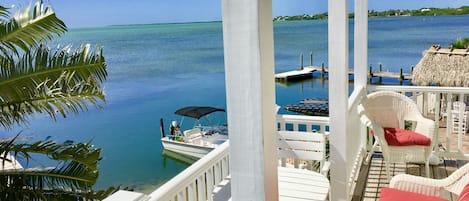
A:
x: 162, y: 23
x: 463, y: 10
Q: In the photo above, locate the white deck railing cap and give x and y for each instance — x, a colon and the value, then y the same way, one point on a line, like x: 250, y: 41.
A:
x: 123, y: 195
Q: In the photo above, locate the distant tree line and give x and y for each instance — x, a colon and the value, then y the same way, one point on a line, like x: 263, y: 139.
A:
x: 392, y: 12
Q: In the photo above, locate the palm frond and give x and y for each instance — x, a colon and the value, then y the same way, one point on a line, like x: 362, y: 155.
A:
x: 52, y: 82
x: 55, y: 195
x: 71, y: 179
x: 30, y: 27
x: 83, y: 153
x: 41, y: 63
x: 4, y: 14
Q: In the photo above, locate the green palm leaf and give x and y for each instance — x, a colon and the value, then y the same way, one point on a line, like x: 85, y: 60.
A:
x: 3, y: 14
x: 29, y: 28
x: 72, y: 179
x: 45, y: 81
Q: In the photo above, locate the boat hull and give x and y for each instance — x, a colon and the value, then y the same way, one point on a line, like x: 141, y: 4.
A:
x: 189, y: 149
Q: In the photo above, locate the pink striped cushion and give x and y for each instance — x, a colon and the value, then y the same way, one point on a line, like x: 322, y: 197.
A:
x: 464, y: 195
x: 392, y: 194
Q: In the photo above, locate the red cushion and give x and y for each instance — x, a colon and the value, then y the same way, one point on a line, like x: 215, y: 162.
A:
x: 392, y: 194
x: 464, y: 195
x: 402, y: 137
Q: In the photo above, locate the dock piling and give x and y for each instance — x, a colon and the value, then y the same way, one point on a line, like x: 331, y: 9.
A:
x: 311, y: 58
x: 301, y: 61
x: 401, y: 75
x: 380, y: 70
x: 323, y: 70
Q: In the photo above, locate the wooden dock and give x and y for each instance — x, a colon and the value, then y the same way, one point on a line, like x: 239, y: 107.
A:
x: 307, y: 72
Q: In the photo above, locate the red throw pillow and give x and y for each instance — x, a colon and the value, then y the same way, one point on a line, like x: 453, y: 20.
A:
x: 464, y: 195
x: 392, y: 194
x: 402, y: 137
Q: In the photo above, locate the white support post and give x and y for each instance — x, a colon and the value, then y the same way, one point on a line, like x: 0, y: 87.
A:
x: 250, y: 96
x: 338, y: 97
x: 360, y: 57
x: 360, y: 63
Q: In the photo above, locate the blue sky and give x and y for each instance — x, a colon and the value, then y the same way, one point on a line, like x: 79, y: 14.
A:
x: 93, y: 13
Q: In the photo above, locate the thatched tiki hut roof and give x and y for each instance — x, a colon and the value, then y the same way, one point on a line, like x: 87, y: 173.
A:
x: 444, y: 67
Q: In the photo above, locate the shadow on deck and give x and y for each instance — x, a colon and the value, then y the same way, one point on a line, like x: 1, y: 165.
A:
x: 373, y: 176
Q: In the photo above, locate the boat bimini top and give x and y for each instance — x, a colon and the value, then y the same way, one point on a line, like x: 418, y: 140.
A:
x: 197, y: 111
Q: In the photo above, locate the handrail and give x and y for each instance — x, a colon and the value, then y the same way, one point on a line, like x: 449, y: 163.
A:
x: 177, y: 186
x: 433, y: 89
x: 308, y: 121
x: 355, y: 98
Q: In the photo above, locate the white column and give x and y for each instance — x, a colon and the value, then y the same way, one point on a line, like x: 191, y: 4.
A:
x: 250, y: 94
x: 360, y: 60
x: 338, y: 96
x: 361, y: 43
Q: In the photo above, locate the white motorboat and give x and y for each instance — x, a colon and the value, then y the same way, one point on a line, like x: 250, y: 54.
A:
x: 199, y: 140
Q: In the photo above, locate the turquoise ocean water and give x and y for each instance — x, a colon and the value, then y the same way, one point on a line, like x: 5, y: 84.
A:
x: 156, y: 69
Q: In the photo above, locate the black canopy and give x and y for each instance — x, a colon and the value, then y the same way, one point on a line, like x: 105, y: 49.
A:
x: 197, y: 111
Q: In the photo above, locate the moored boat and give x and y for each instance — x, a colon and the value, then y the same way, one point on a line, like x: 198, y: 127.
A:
x: 199, y: 140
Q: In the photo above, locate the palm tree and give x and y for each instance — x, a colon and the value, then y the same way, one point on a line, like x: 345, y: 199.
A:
x: 37, y: 79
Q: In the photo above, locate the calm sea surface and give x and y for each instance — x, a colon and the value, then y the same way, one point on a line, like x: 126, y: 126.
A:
x: 156, y: 69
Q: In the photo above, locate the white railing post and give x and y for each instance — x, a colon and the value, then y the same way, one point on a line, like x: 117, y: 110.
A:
x: 425, y: 104
x: 210, y: 183
x: 449, y: 129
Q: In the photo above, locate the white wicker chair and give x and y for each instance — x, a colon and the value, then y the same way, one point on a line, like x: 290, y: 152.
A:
x: 432, y: 187
x: 390, y: 109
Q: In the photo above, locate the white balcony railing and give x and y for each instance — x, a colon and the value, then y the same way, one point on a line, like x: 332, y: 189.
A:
x: 199, y: 180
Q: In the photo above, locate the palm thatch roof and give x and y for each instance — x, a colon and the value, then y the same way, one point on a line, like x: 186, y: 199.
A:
x: 444, y: 67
